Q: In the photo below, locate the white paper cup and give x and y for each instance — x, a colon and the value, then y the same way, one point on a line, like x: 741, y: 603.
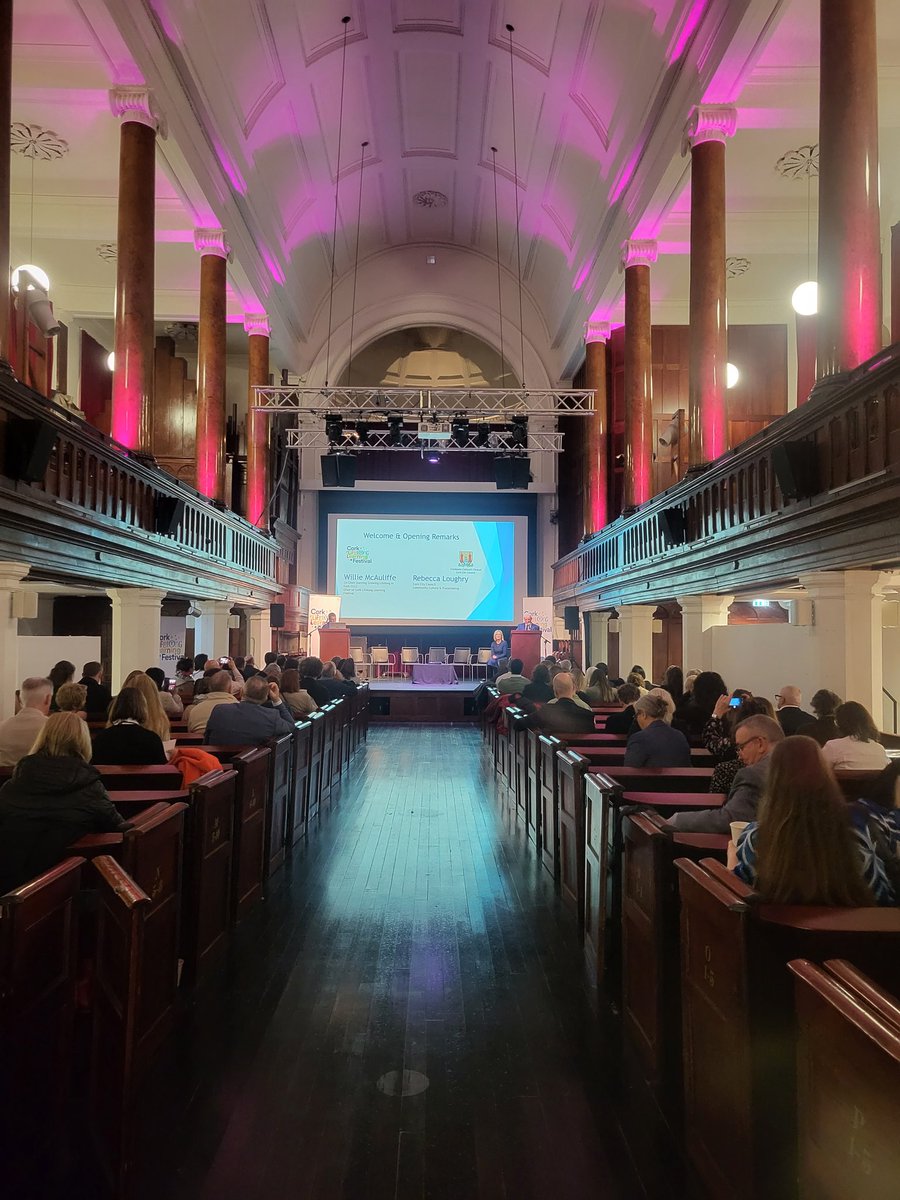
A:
x: 737, y: 828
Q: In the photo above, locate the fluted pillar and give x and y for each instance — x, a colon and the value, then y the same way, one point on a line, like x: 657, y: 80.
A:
x: 6, y: 41
x: 707, y: 129
x: 637, y: 255
x: 256, y: 326
x: 849, y: 269
x: 596, y: 467
x: 132, y: 389
x: 214, y: 252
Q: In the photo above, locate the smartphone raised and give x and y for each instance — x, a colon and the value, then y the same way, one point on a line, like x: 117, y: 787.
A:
x: 735, y: 702
x: 223, y: 661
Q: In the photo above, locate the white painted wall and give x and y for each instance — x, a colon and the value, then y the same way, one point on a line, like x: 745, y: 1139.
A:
x: 38, y: 654
x: 764, y: 658
x: 891, y: 666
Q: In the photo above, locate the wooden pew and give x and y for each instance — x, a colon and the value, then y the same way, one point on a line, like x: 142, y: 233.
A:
x: 848, y: 1083
x: 548, y: 748
x: 326, y: 783
x: 251, y: 806
x: 317, y: 722
x: 279, y: 799
x: 533, y: 788
x: 117, y: 1052
x: 517, y: 723
x: 38, y: 966
x: 209, y: 848
x: 155, y: 778
x: 298, y: 815
x: 738, y: 1036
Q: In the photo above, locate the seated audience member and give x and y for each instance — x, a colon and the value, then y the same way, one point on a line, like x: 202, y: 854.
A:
x: 98, y: 694
x: 656, y: 744
x: 60, y: 673
x: 270, y: 656
x: 562, y: 714
x: 824, y: 705
x: 298, y: 701
x: 347, y: 669
x: 291, y: 663
x: 200, y: 661
x: 668, y: 702
x: 156, y: 717
x: 18, y: 733
x: 126, y: 741
x: 637, y: 680
x: 499, y: 652
x: 673, y: 682
x: 729, y: 764
x: 539, y: 690
x: 755, y: 739
x: 184, y: 680
x: 170, y: 701
x: 72, y: 697
x: 697, y: 705
x: 790, y: 715
x: 280, y: 661
x: 803, y: 848
x: 718, y: 732
x: 513, y: 681
x: 857, y: 748
x: 621, y: 722
x: 310, y: 679
x: 260, y: 715
x: 599, y: 690
x: 249, y: 668
x: 690, y: 679
x: 219, y: 692
x: 334, y: 682
x: 53, y: 798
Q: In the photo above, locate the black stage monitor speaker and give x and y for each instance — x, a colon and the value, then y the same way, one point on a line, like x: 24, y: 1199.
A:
x: 168, y: 512
x: 276, y: 616
x: 571, y: 617
x: 796, y: 467
x: 338, y: 470
x: 512, y: 472
x: 29, y: 444
x: 673, y: 526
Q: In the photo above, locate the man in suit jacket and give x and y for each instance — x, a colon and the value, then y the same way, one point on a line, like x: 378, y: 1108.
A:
x: 262, y: 714
x: 790, y: 715
x: 562, y: 714
x: 755, y: 739
x: 528, y: 625
x: 657, y: 744
x: 98, y: 695
x: 513, y: 681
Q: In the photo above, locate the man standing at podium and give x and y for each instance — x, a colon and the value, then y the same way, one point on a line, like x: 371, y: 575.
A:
x: 332, y: 623
x: 528, y: 625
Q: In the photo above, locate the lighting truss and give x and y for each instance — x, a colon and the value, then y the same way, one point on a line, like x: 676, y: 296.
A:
x: 499, y: 442
x: 434, y: 403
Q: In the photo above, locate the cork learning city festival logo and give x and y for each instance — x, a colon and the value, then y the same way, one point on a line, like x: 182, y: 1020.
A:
x: 358, y: 554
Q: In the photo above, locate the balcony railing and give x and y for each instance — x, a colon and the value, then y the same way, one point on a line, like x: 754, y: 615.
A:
x: 733, y: 525
x: 96, y: 502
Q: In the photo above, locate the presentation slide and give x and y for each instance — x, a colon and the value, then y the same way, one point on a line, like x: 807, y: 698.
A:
x: 427, y: 570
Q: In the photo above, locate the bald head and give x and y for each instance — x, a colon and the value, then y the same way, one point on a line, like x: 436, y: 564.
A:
x: 563, y: 686
x: 789, y: 696
x: 220, y: 682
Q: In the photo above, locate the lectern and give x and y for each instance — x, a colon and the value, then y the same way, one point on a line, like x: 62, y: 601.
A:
x: 526, y: 644
x: 332, y: 642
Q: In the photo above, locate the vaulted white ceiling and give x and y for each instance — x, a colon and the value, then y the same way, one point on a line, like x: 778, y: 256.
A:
x: 251, y: 93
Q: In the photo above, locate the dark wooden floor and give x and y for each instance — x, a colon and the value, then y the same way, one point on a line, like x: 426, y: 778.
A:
x: 414, y: 934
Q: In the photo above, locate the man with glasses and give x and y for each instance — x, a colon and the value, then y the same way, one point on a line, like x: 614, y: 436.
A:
x: 791, y: 717
x: 755, y: 737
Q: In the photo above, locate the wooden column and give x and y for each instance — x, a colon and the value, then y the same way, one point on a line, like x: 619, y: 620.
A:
x: 256, y: 326
x: 6, y: 39
x: 849, y: 274
x: 637, y: 255
x: 895, y: 282
x: 596, y: 454
x: 708, y: 127
x: 135, y: 263
x: 214, y: 251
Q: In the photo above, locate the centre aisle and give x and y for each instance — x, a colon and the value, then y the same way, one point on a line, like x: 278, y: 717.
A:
x: 415, y: 934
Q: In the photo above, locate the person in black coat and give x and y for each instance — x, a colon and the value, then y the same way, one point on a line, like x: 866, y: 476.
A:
x: 310, y: 671
x: 98, y: 694
x: 824, y: 728
x: 539, y: 691
x: 657, y: 744
x: 126, y: 742
x: 621, y: 722
x: 53, y: 798
x: 562, y: 714
x: 791, y: 717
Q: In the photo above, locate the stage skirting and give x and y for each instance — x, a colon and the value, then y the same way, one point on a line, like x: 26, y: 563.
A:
x: 433, y: 673
x: 437, y: 703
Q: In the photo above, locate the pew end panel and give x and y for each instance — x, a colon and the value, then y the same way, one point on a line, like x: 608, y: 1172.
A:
x: 251, y: 806
x: 209, y: 846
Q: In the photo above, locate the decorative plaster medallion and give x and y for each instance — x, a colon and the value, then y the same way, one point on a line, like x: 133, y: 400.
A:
x: 108, y: 251
x: 735, y: 265
x: 181, y: 331
x: 34, y: 141
x: 802, y: 163
x: 639, y: 252
x: 430, y: 199
x: 709, y: 123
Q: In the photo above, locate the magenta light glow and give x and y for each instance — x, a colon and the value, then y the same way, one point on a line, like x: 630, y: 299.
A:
x: 581, y: 277
x: 272, y: 266
x: 127, y: 400
x: 687, y: 31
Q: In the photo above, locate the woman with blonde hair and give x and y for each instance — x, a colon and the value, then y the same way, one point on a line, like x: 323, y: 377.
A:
x: 156, y: 717
x: 72, y: 697
x: 803, y: 848
x: 54, y: 797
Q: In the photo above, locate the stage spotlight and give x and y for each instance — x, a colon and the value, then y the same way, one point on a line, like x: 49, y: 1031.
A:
x: 519, y: 433
x: 395, y: 431
x: 434, y: 459
x: 482, y: 433
x: 512, y: 471
x: 362, y: 432
x: 334, y: 429
x: 459, y: 431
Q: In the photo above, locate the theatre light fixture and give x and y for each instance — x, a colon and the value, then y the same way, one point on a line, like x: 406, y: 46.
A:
x: 334, y: 429
x: 459, y: 431
x: 519, y: 433
x: 395, y: 431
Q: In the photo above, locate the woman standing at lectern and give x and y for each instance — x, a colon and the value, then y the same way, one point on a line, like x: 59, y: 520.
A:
x: 499, y: 650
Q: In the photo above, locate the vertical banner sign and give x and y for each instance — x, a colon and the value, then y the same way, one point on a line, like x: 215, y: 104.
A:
x: 540, y: 609
x: 171, y: 643
x: 319, y: 608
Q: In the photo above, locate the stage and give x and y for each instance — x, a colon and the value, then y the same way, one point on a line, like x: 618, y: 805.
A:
x: 437, y: 703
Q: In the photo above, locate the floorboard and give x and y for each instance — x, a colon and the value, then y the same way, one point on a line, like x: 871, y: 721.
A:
x: 415, y: 932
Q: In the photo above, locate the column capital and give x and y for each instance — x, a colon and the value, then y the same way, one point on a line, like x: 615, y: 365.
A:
x: 709, y: 123
x: 212, y: 241
x: 705, y: 604
x: 137, y: 597
x: 639, y: 252
x: 135, y: 103
x: 256, y: 324
x: 596, y: 331
x: 12, y: 574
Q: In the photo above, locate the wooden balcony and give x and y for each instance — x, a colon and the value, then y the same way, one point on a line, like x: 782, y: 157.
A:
x: 740, y: 530
x: 93, y: 517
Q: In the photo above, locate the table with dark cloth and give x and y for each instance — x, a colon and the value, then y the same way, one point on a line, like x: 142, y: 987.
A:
x: 433, y: 673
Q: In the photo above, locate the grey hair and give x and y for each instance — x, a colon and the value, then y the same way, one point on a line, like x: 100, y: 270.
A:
x: 653, y: 707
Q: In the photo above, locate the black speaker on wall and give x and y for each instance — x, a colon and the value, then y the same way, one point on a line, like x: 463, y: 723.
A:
x: 167, y: 514
x: 29, y: 444
x: 571, y: 617
x: 338, y: 470
x: 673, y: 526
x: 796, y: 467
x: 276, y: 616
x: 512, y: 471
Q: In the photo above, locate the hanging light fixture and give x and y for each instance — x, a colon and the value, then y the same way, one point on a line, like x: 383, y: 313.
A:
x: 732, y: 375
x: 804, y: 164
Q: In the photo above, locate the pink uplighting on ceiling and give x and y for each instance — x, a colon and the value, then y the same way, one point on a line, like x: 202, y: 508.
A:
x: 272, y: 266
x: 235, y: 178
x: 165, y: 22
x: 687, y: 31
x: 580, y: 279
